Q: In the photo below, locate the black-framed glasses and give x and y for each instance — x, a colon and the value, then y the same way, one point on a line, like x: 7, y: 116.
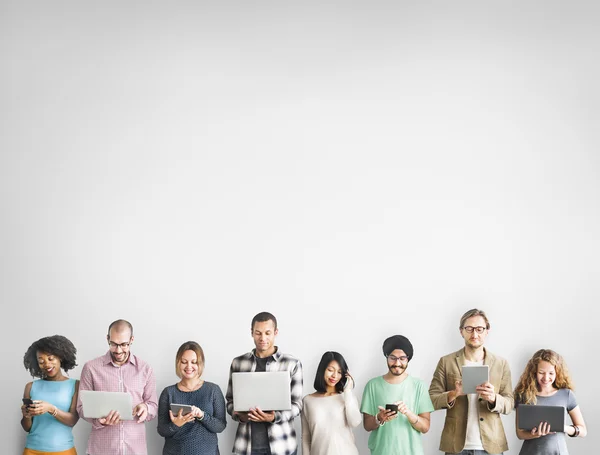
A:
x: 114, y: 345
x: 394, y: 359
x: 478, y: 329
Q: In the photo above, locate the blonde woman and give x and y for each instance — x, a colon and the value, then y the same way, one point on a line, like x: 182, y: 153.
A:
x: 546, y: 381
x: 194, y: 433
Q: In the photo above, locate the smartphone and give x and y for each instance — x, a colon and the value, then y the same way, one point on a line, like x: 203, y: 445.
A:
x: 391, y: 407
x: 27, y: 401
x: 344, y: 381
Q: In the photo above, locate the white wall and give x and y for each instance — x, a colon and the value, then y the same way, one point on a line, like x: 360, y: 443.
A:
x: 359, y: 170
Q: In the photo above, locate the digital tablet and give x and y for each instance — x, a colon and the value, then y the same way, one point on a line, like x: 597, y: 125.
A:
x: 98, y: 404
x: 269, y: 391
x: 530, y: 416
x: 187, y: 408
x: 474, y: 375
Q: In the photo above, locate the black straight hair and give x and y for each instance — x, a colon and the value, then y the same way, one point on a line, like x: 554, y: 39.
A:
x: 328, y: 357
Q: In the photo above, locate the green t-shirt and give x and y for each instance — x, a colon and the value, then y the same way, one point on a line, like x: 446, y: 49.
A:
x: 396, y: 437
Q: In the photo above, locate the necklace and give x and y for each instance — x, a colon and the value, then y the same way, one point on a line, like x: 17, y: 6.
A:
x: 191, y: 389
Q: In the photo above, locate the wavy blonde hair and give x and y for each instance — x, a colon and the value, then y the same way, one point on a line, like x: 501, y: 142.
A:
x: 527, y: 387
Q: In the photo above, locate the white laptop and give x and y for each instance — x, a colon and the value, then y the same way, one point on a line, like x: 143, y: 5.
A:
x: 98, y: 404
x: 269, y: 391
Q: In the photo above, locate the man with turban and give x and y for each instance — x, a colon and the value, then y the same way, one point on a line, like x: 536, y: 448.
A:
x: 396, y: 431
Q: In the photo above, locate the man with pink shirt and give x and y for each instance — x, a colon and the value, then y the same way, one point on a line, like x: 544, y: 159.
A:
x: 120, y: 371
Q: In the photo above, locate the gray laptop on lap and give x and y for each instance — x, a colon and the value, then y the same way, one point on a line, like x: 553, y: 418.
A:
x: 269, y: 391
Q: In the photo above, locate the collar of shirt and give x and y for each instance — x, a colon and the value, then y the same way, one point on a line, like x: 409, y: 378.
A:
x: 276, y: 355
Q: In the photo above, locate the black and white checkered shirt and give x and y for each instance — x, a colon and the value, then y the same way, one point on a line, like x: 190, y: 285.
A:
x: 282, y: 435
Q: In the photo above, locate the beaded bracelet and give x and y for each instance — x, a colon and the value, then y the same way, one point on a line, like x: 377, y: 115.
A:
x: 55, y: 412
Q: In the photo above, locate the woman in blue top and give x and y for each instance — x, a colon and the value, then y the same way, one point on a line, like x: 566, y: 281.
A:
x: 49, y: 404
x: 194, y: 433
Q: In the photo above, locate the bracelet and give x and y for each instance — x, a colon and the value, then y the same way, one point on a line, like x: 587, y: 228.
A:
x: 55, y: 412
x: 378, y: 422
x: 576, y: 431
x: 416, y: 421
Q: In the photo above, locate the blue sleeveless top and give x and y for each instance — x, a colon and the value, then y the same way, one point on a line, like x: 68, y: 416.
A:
x: 47, y: 434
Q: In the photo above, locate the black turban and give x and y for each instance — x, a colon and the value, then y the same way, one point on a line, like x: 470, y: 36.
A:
x: 398, y: 342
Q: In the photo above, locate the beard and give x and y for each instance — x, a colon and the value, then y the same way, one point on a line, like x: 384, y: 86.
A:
x: 116, y: 360
x: 397, y: 370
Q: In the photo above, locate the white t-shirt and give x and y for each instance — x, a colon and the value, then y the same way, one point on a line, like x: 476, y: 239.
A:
x: 473, y: 439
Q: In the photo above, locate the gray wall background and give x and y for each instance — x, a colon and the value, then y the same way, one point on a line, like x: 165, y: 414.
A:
x: 358, y: 169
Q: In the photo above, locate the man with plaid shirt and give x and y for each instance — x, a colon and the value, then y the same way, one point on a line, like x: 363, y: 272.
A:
x: 260, y: 432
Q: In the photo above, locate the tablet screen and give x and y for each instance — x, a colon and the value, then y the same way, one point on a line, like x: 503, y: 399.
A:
x: 186, y: 408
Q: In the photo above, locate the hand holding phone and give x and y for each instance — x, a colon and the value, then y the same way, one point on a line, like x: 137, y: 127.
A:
x: 27, y: 401
x: 391, y: 407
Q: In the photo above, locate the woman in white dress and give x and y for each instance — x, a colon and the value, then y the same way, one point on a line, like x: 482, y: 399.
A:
x: 329, y: 414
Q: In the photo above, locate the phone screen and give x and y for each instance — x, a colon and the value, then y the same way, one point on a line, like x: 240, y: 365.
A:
x: 391, y: 407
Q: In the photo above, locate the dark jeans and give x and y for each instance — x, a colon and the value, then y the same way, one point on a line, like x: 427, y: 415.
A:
x: 268, y: 452
x: 254, y: 452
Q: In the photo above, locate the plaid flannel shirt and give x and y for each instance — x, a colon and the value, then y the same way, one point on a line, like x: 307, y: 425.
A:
x: 282, y: 435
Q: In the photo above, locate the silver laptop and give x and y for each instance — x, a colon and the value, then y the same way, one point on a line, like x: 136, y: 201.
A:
x: 269, y: 391
x: 97, y: 404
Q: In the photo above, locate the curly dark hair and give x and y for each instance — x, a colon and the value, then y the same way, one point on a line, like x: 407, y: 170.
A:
x: 57, y: 345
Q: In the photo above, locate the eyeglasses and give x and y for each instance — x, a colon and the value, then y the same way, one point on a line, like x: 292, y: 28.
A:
x: 394, y: 359
x: 114, y: 345
x: 478, y: 329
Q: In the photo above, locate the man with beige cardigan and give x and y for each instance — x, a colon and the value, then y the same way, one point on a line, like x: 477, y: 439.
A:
x: 473, y: 425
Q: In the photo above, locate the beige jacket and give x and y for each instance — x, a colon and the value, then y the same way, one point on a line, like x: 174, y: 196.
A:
x: 454, y: 433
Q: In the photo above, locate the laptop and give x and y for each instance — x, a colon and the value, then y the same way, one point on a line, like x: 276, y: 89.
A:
x: 474, y: 375
x: 530, y: 415
x: 97, y: 404
x: 269, y: 391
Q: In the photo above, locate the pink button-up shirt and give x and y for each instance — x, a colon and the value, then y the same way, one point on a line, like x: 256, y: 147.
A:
x: 136, y: 377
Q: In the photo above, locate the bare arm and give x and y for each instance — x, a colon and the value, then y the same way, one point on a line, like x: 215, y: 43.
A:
x: 383, y: 416
x: 577, y: 419
x: 27, y: 419
x: 69, y: 418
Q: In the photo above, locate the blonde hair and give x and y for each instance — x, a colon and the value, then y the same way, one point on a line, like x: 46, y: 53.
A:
x: 470, y: 314
x: 190, y: 346
x: 527, y: 387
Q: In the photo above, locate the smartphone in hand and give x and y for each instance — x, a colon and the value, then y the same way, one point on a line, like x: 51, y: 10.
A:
x: 27, y: 401
x: 391, y: 407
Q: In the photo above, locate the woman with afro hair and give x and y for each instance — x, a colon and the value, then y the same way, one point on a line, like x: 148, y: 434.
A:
x: 50, y: 403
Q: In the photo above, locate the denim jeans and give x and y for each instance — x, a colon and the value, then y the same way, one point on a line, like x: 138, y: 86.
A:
x: 268, y: 453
